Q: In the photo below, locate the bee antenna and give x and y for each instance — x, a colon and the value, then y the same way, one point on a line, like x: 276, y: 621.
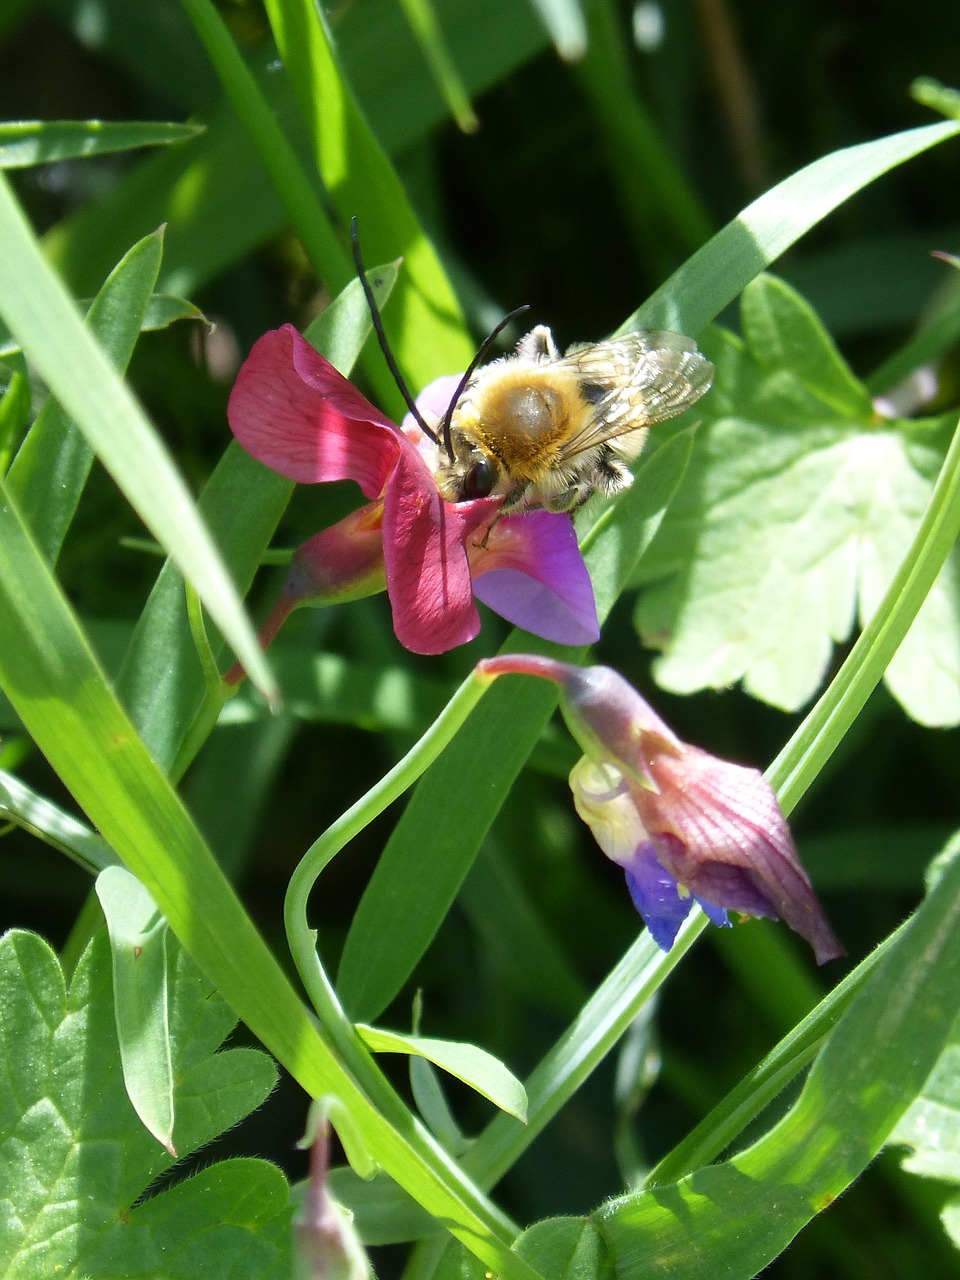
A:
x: 485, y: 346
x: 377, y: 320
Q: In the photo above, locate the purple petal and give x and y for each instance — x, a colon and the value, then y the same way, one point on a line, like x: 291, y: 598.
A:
x: 656, y: 896
x: 434, y: 400
x: 532, y: 573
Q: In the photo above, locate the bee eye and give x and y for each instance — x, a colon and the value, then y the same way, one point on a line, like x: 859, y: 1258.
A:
x: 479, y: 480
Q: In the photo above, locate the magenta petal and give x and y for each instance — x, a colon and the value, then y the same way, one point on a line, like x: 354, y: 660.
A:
x: 342, y: 562
x: 291, y: 410
x: 532, y: 573
x: 428, y: 573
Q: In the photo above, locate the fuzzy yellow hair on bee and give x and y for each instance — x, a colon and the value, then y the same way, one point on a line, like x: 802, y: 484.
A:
x: 541, y: 429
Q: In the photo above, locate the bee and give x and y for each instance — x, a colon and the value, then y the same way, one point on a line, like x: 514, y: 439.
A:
x: 544, y: 430
x: 541, y: 429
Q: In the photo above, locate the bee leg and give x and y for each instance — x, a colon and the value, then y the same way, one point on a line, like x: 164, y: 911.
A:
x: 513, y: 504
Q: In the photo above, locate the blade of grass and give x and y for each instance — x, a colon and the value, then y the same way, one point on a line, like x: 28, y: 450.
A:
x: 429, y: 335
x: 46, y: 322
x: 29, y: 142
x: 50, y: 470
x: 423, y: 22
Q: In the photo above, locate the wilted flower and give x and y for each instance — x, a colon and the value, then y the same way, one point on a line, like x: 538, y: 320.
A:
x: 685, y: 825
x: 294, y: 412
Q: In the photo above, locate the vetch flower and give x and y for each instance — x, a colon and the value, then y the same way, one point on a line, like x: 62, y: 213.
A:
x: 294, y: 412
x: 685, y: 825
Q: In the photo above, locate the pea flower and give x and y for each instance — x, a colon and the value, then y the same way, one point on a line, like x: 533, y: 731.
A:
x: 291, y: 410
x: 685, y: 825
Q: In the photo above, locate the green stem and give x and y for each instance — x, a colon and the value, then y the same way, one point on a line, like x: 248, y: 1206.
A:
x: 302, y: 940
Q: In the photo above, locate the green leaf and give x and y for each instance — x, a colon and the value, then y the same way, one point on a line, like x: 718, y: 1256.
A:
x: 29, y: 142
x: 51, y: 469
x: 163, y: 310
x: 733, y: 1218
x: 796, y: 511
x: 14, y: 414
x: 431, y: 1102
x: 784, y: 332
x: 930, y: 1127
x: 138, y: 948
x: 936, y: 95
x: 45, y: 320
x: 74, y: 1158
x: 474, y: 1066
x: 431, y: 338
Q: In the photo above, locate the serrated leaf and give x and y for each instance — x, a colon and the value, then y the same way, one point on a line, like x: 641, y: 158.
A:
x: 469, y: 1063
x: 931, y: 1128
x: 795, y: 512
x: 29, y: 142
x: 786, y: 333
x: 74, y: 1158
x: 138, y: 947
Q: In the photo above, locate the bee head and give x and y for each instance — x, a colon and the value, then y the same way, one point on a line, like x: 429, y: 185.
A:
x: 472, y: 472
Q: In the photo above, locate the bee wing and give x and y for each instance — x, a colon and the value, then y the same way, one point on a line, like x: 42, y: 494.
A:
x: 636, y: 379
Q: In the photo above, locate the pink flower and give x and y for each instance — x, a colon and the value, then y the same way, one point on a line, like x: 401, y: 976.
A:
x: 685, y: 825
x: 294, y: 412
